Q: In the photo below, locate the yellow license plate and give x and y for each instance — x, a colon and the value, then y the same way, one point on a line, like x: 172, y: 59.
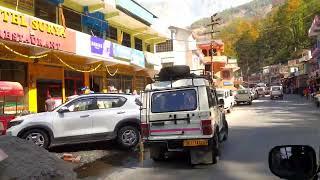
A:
x: 200, y: 142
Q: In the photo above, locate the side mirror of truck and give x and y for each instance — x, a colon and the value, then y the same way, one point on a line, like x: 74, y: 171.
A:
x: 293, y: 162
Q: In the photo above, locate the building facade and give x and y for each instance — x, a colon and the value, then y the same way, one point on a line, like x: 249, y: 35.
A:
x: 181, y: 49
x: 57, y: 47
x: 314, y: 33
x: 224, y: 68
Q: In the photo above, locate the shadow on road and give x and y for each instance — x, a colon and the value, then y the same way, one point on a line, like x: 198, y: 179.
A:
x: 101, y: 145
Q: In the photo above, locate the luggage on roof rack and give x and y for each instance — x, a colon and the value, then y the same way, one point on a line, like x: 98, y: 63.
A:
x: 174, y: 73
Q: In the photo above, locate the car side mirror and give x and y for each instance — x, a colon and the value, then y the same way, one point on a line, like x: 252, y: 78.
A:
x: 293, y: 162
x: 63, y: 110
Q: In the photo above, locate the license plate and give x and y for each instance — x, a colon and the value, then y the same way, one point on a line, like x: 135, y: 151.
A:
x: 200, y: 142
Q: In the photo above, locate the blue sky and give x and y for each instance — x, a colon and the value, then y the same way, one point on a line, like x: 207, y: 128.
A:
x: 183, y: 12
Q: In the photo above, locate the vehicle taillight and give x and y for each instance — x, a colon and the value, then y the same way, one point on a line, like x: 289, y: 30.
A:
x: 206, y: 127
x: 144, y: 130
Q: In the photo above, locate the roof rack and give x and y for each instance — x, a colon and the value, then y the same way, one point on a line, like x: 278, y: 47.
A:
x: 203, y: 74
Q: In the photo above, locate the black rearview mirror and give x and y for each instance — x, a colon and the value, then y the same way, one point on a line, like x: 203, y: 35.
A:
x: 221, y: 102
x: 293, y: 162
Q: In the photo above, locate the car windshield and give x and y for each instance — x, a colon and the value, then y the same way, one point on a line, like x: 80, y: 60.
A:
x: 243, y: 92
x: 171, y: 101
x: 220, y: 93
x: 276, y: 88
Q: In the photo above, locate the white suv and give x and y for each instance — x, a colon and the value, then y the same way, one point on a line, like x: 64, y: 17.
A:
x: 92, y: 117
x: 181, y: 113
x: 227, y: 97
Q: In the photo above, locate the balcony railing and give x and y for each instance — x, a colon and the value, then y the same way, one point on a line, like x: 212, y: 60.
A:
x: 316, y: 49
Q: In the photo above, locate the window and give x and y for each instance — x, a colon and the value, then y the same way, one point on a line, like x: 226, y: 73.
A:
x: 138, y: 44
x: 148, y: 47
x: 172, y: 101
x: 107, y: 103
x: 165, y: 47
x: 112, y: 33
x: 45, y: 10
x: 72, y: 18
x: 82, y: 105
x: 126, y: 41
x: 204, y: 52
x: 243, y: 92
x: 26, y: 5
x: 210, y: 99
x: 226, y: 74
x: 214, y: 97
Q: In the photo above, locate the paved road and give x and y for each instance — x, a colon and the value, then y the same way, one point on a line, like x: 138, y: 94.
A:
x: 254, y: 130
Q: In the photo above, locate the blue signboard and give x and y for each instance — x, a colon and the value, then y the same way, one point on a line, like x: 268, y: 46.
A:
x: 227, y: 83
x: 122, y: 52
x: 137, y: 58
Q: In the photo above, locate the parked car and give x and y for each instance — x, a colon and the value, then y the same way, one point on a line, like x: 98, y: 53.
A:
x: 261, y: 91
x: 86, y: 118
x: 182, y: 115
x: 244, y: 96
x: 227, y: 97
x: 276, y: 92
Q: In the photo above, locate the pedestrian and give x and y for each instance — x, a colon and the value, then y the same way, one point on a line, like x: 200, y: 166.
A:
x: 50, y: 103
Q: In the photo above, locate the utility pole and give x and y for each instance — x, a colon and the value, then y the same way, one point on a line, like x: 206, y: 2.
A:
x: 214, y: 21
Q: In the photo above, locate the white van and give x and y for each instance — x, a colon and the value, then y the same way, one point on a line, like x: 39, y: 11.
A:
x: 227, y: 97
x: 182, y: 114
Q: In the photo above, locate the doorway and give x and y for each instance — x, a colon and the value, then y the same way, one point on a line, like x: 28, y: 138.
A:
x: 46, y: 88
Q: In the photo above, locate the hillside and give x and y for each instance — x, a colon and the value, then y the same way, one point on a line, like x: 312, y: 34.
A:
x: 254, y: 9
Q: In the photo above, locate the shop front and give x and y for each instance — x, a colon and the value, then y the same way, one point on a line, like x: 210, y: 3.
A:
x: 28, y: 50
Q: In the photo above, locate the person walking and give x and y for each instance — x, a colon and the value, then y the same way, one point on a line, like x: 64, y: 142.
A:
x: 50, y: 103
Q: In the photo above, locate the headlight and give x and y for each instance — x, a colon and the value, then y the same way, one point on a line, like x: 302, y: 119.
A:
x: 14, y: 123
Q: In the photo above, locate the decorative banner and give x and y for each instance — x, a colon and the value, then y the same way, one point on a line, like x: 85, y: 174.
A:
x: 137, y: 58
x: 94, y: 47
x: 19, y: 27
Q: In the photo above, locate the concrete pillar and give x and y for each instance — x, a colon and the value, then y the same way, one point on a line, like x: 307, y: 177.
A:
x: 87, y: 79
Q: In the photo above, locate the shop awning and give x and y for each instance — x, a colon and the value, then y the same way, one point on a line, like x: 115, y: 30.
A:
x: 8, y: 88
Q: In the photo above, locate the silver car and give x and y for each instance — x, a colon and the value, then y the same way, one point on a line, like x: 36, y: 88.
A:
x: 244, y: 96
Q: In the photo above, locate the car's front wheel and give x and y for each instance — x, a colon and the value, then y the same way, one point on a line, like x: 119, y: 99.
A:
x: 38, y: 137
x: 128, y: 137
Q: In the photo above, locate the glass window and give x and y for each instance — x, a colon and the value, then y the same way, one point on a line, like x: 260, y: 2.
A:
x: 276, y: 88
x: 138, y: 44
x: 107, y: 103
x: 82, y: 105
x: 165, y: 47
x: 210, y: 99
x: 148, y: 47
x: 243, y: 92
x: 26, y: 5
x: 172, y: 101
x: 72, y: 18
x: 126, y: 41
x: 112, y: 33
x: 45, y: 10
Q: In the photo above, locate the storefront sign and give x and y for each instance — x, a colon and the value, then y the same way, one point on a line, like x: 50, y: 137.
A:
x: 137, y: 58
x: 94, y: 47
x: 19, y: 27
x: 122, y: 52
x: 227, y: 83
x: 152, y: 59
